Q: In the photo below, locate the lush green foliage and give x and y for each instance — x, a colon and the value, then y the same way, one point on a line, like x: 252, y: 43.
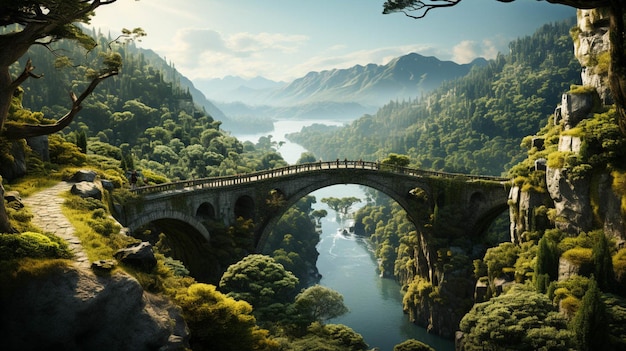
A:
x: 219, y: 322
x: 331, y: 337
x: 144, y: 117
x: 34, y: 245
x: 590, y: 323
x: 319, y: 303
x: 518, y: 320
x: 259, y: 280
x: 292, y: 242
x: 412, y: 345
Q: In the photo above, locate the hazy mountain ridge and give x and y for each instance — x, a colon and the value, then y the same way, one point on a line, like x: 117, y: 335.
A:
x: 404, y: 77
x: 337, y: 94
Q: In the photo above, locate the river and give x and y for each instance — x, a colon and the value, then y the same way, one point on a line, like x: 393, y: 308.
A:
x: 348, y: 265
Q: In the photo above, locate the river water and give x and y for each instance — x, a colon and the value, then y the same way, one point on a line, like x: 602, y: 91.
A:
x: 347, y: 265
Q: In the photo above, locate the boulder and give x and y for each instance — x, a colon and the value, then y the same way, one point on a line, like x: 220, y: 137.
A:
x: 84, y: 176
x: 610, y: 209
x: 40, y: 146
x: 138, y: 255
x: 13, y: 199
x: 107, y: 184
x: 87, y: 189
x: 10, y: 170
x: 103, y: 266
x: 70, y: 308
x: 522, y: 214
x: 575, y: 108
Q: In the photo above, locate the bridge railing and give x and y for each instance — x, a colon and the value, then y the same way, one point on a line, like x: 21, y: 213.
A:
x: 217, y: 182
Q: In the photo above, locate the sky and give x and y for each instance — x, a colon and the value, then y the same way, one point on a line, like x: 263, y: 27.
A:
x: 284, y: 39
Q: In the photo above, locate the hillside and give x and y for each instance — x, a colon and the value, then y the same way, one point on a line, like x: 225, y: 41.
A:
x: 146, y: 117
x: 473, y: 124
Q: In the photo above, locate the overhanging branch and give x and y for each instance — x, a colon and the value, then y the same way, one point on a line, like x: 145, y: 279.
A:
x: 14, y: 130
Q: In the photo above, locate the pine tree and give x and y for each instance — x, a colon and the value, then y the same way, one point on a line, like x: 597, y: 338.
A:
x: 547, y: 265
x: 602, y: 262
x: 589, y: 323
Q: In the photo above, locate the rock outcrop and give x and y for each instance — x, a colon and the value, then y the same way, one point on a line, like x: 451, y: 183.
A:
x: 72, y: 309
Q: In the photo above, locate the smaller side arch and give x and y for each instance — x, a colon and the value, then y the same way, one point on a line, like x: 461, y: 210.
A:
x: 205, y: 211
x: 153, y: 216
x: 245, y: 207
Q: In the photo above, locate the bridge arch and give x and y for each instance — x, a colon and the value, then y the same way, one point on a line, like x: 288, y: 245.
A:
x: 206, y: 210
x: 244, y: 207
x: 403, y: 198
x: 169, y: 214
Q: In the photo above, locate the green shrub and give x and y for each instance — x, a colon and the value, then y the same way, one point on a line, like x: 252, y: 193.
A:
x: 578, y: 255
x: 31, y: 244
x: 84, y: 204
x: 619, y: 266
x: 64, y: 152
x: 412, y: 345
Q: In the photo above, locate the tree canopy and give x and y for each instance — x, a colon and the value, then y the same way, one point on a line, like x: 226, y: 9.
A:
x: 319, y: 303
x: 259, y: 280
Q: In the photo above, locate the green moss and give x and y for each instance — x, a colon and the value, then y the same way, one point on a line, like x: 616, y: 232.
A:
x: 31, y: 244
x: 619, y: 186
x: 604, y: 61
x: 581, y: 89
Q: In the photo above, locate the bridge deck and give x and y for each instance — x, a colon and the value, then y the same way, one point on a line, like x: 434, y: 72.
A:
x: 217, y: 182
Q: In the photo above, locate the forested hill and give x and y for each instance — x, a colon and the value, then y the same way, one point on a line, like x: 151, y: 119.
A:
x: 470, y: 125
x: 145, y: 117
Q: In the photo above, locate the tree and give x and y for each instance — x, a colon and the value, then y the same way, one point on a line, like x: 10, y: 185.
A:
x: 412, y: 345
x: 589, y: 323
x: 603, y: 263
x: 218, y: 322
x: 259, y: 280
x: 319, y: 303
x: 617, y: 68
x: 518, y: 320
x: 42, y: 23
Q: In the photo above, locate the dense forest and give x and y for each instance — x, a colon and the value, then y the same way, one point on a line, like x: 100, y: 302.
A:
x: 469, y: 125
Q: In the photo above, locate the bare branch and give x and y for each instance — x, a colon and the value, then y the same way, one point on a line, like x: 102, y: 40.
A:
x: 26, y: 73
x: 19, y: 130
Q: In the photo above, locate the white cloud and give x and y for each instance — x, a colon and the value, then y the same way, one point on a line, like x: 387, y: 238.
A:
x: 468, y: 50
x: 204, y: 53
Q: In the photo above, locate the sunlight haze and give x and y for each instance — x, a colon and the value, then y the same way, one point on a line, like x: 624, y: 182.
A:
x: 284, y: 40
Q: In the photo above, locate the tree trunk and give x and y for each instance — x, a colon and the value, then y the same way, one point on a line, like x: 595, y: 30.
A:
x: 6, y: 94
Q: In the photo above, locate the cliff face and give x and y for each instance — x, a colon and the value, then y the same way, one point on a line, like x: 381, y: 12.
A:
x: 569, y: 201
x: 579, y: 203
x: 73, y: 309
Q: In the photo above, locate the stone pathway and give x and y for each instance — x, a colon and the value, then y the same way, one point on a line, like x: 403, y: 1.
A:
x: 47, y: 215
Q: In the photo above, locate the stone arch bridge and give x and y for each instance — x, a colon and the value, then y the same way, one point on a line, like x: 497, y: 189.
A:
x: 264, y: 196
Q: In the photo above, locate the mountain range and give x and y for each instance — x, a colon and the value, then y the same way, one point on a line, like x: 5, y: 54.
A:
x: 337, y: 94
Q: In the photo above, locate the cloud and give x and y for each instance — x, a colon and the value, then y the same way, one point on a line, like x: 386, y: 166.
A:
x: 201, y: 53
x: 468, y: 50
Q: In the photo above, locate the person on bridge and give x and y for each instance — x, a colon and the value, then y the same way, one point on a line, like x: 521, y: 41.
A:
x: 133, y: 180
